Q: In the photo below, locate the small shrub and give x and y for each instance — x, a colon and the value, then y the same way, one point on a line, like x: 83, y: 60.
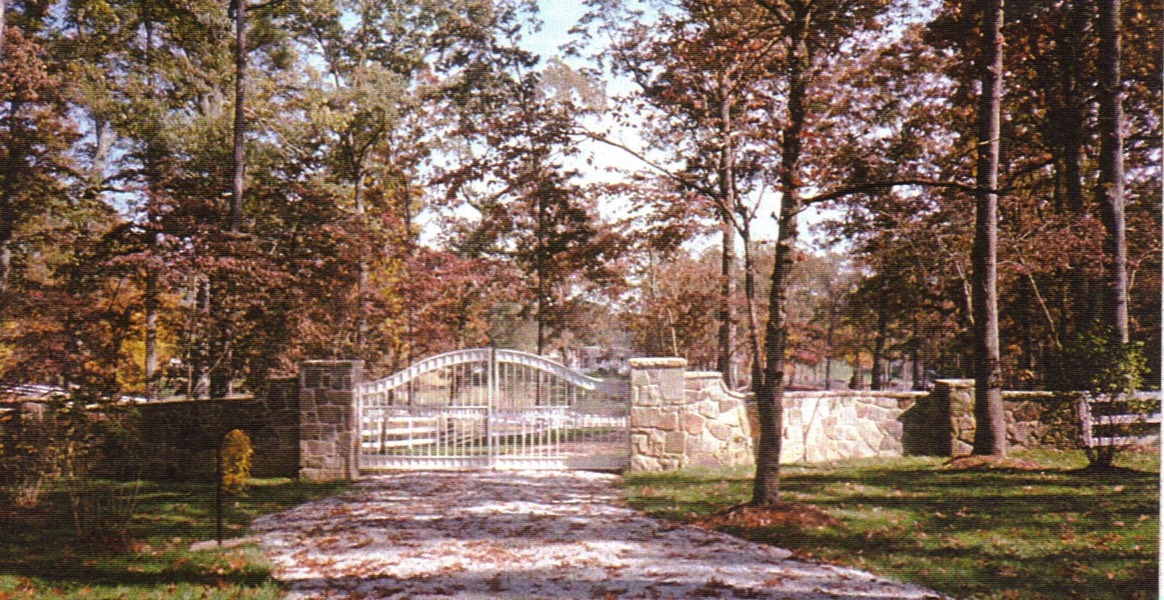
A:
x: 91, y: 439
x: 34, y: 456
x: 102, y: 511
x: 236, y: 462
x: 1095, y: 364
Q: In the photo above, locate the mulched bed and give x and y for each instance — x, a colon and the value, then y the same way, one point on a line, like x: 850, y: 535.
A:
x: 986, y: 463
x: 782, y: 514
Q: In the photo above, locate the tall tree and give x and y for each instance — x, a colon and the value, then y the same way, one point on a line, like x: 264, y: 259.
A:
x: 1110, y: 191
x: 517, y: 118
x: 376, y: 103
x: 808, y: 29
x: 222, y: 367
x: 238, y: 10
x: 705, y: 88
x: 36, y: 133
x: 990, y: 433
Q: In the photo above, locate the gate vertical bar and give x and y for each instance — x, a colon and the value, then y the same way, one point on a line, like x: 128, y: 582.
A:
x: 490, y: 400
x: 357, y: 454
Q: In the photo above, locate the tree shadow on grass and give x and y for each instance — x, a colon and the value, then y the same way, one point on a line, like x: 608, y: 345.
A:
x: 980, y: 530
x: 41, y: 544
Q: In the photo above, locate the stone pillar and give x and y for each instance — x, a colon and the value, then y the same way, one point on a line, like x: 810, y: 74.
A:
x: 327, y: 419
x: 956, y: 398
x: 658, y: 388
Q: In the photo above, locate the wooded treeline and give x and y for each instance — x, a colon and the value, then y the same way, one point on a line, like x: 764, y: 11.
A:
x: 203, y: 193
x: 888, y: 147
x: 200, y: 194
x: 996, y: 168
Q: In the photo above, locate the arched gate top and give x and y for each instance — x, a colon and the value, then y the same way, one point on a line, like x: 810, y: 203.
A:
x: 485, y: 356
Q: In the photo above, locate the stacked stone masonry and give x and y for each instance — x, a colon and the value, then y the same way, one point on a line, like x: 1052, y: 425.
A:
x: 178, y: 439
x: 327, y: 419
x: 827, y: 426
x: 1033, y: 419
x: 685, y: 420
x: 183, y: 436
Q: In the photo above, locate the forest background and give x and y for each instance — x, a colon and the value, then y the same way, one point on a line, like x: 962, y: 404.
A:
x: 194, y: 198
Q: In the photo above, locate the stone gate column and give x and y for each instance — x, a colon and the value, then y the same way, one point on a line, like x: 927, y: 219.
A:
x: 955, y: 402
x: 327, y: 418
x: 658, y: 387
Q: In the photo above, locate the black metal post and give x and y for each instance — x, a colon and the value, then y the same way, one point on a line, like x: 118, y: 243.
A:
x: 218, y: 489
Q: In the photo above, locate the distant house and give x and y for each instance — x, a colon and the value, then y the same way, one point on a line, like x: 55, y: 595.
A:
x: 593, y: 359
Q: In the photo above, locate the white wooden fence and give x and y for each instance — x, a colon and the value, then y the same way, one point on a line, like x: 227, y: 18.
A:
x: 1090, y: 422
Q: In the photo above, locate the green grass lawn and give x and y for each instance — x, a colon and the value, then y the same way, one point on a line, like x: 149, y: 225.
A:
x: 39, y: 556
x: 986, y: 532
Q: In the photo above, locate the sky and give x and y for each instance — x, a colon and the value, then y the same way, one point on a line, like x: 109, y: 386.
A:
x: 558, y: 17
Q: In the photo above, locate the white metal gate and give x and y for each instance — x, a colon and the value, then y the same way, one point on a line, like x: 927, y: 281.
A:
x: 492, y: 408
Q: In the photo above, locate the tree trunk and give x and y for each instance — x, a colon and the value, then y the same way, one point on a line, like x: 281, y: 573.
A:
x: 1110, y: 192
x: 221, y: 369
x: 103, y: 137
x: 990, y: 432
x: 757, y: 371
x: 727, y: 198
x: 198, y: 383
x: 3, y: 29
x: 408, y: 265
x: 151, y: 333
x: 7, y: 229
x: 727, y: 332
x: 362, y: 271
x: 829, y: 335
x: 770, y: 396
x: 878, y: 373
x: 12, y: 167
x: 1073, y: 105
x: 917, y: 376
x: 540, y: 268
x: 240, y: 66
x: 1073, y: 123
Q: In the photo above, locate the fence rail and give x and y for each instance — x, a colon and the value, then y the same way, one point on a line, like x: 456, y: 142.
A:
x: 1089, y: 422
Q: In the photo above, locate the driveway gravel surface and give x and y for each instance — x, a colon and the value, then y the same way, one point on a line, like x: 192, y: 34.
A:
x: 528, y: 534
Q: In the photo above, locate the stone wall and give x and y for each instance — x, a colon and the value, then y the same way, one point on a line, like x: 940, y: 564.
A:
x: 681, y: 420
x: 181, y: 437
x: 1033, y: 419
x: 302, y: 427
x: 327, y: 419
x: 826, y: 426
x: 306, y: 427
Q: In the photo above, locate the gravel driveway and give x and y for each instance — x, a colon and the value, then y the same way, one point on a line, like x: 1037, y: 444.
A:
x: 528, y: 535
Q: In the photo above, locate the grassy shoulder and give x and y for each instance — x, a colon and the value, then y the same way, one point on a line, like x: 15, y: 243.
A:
x: 40, y: 557
x: 1036, y: 528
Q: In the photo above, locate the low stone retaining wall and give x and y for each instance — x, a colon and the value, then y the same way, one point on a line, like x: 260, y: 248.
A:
x: 826, y: 426
x: 181, y: 437
x: 302, y: 427
x: 680, y: 420
x: 1033, y: 419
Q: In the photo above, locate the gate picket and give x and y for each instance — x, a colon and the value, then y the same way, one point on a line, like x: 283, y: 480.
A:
x: 491, y: 408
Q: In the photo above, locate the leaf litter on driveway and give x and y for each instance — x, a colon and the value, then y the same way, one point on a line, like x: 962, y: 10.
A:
x: 528, y: 534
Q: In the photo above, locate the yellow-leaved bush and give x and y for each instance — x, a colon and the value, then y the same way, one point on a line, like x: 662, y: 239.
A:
x: 236, y: 461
